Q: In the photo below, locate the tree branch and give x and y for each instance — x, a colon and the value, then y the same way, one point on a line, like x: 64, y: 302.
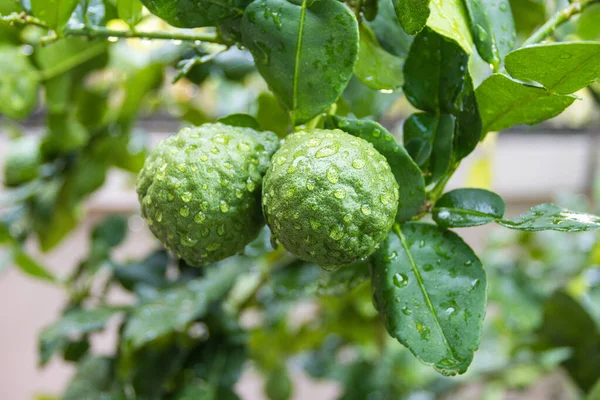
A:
x: 558, y: 19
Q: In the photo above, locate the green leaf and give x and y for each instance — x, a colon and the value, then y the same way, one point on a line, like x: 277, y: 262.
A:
x: 388, y: 31
x: 111, y: 231
x: 93, y: 380
x: 438, y: 132
x: 573, y: 65
x: 130, y: 11
x: 567, y: 324
x: 361, y: 101
x: 552, y: 217
x: 343, y: 280
x: 438, y: 81
x: 55, y: 13
x: 196, y: 13
x: 150, y: 271
x: 23, y: 160
x: 201, y: 390
x: 175, y: 308
x: 412, y: 14
x: 271, y: 116
x: 430, y: 289
x: 468, y: 207
x: 19, y: 83
x: 595, y: 392
x: 504, y: 102
x: 279, y: 385
x: 449, y: 19
x: 306, y: 53
x: 243, y: 120
x: 589, y: 29
x: 528, y: 15
x: 375, y: 67
x: 73, y: 324
x: 31, y: 267
x: 493, y: 29
x: 407, y: 173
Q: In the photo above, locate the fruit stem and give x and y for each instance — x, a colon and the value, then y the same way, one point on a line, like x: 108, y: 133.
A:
x: 558, y: 19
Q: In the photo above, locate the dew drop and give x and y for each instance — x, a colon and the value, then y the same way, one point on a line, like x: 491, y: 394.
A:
x: 224, y: 206
x: 336, y: 233
x: 348, y: 218
x: 184, y: 212
x: 406, y: 310
x: 340, y: 194
x: 366, y: 209
x: 314, y: 224
x: 159, y: 216
x: 333, y: 175
x: 200, y: 217
x: 327, y: 151
x: 400, y: 280
x: 221, y: 230
x: 186, y: 197
x: 243, y: 146
x: 203, y: 157
x: 213, y: 246
x: 310, y: 184
x: 250, y: 185
x: 358, y: 163
x: 188, y: 241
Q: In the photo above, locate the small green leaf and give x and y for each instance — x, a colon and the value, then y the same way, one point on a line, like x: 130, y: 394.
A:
x: 449, y: 19
x: 111, y: 231
x: 438, y: 131
x: 149, y: 272
x: 271, y: 116
x: 468, y: 207
x: 93, y: 380
x: 388, y: 31
x: 375, y: 67
x: 19, y: 83
x: 430, y: 289
x: 552, y: 217
x: 305, y: 52
x: 589, y: 29
x: 343, y: 280
x: 412, y: 14
x: 55, y: 13
x: 130, y: 11
x: 493, y: 28
x: 72, y: 325
x: 362, y: 101
x: 573, y: 65
x: 407, y: 173
x: 504, y: 102
x: 175, y: 308
x: 31, y: 267
x: 243, y: 120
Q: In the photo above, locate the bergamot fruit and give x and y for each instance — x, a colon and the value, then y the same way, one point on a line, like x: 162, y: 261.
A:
x: 200, y: 190
x: 329, y: 197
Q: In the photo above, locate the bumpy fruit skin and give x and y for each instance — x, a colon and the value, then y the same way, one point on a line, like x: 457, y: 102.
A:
x: 329, y: 197
x: 196, y: 13
x: 200, y: 190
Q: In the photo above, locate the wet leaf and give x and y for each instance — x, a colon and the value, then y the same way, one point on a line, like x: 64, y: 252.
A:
x: 196, y: 13
x: 375, y: 67
x: 412, y: 14
x: 243, y: 120
x: 175, y: 308
x: 493, y: 28
x: 468, y: 207
x: 19, y: 83
x: 388, y: 31
x: 55, y: 13
x: 552, y: 217
x: 361, y: 101
x: 438, y: 132
x: 74, y: 324
x: 430, y: 290
x: 305, y: 52
x: 449, y: 19
x: 504, y: 102
x: 574, y: 65
x: 407, y: 173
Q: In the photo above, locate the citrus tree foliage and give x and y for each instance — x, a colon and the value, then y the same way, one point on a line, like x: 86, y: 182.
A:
x: 342, y: 191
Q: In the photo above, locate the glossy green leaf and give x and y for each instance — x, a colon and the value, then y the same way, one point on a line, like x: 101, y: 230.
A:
x: 74, y: 324
x: 504, y: 102
x: 438, y: 131
x: 175, y: 308
x: 407, y: 173
x: 362, y: 102
x: 370, y: 9
x: 493, y: 28
x: 243, y: 120
x: 449, y: 19
x: 528, y: 15
x: 375, y: 67
x: 343, y: 280
x: 468, y: 207
x: 55, y: 13
x: 388, y: 31
x: 589, y: 29
x: 196, y: 13
x: 438, y: 81
x: 130, y: 11
x: 562, y: 68
x: 271, y: 116
x: 430, y: 290
x: 412, y: 14
x: 31, y: 267
x: 305, y: 52
x: 548, y: 216
x: 150, y: 271
x: 19, y: 83
x: 567, y: 324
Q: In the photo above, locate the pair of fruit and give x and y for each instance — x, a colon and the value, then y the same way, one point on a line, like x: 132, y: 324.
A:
x: 327, y: 196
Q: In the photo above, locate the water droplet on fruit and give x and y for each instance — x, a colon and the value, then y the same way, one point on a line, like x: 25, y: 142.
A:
x: 221, y: 230
x: 184, y: 212
x: 333, y: 175
x: 337, y: 233
x: 223, y: 206
x: 327, y: 151
x: 340, y: 194
x: 186, y: 197
x: 358, y: 163
x: 200, y: 217
x: 366, y: 209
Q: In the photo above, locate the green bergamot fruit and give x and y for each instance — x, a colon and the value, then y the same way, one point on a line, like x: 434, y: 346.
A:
x: 329, y: 197
x: 200, y: 190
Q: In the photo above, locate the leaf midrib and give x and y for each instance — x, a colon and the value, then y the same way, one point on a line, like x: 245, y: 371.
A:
x: 297, y: 61
x: 463, y: 211
x: 417, y: 273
